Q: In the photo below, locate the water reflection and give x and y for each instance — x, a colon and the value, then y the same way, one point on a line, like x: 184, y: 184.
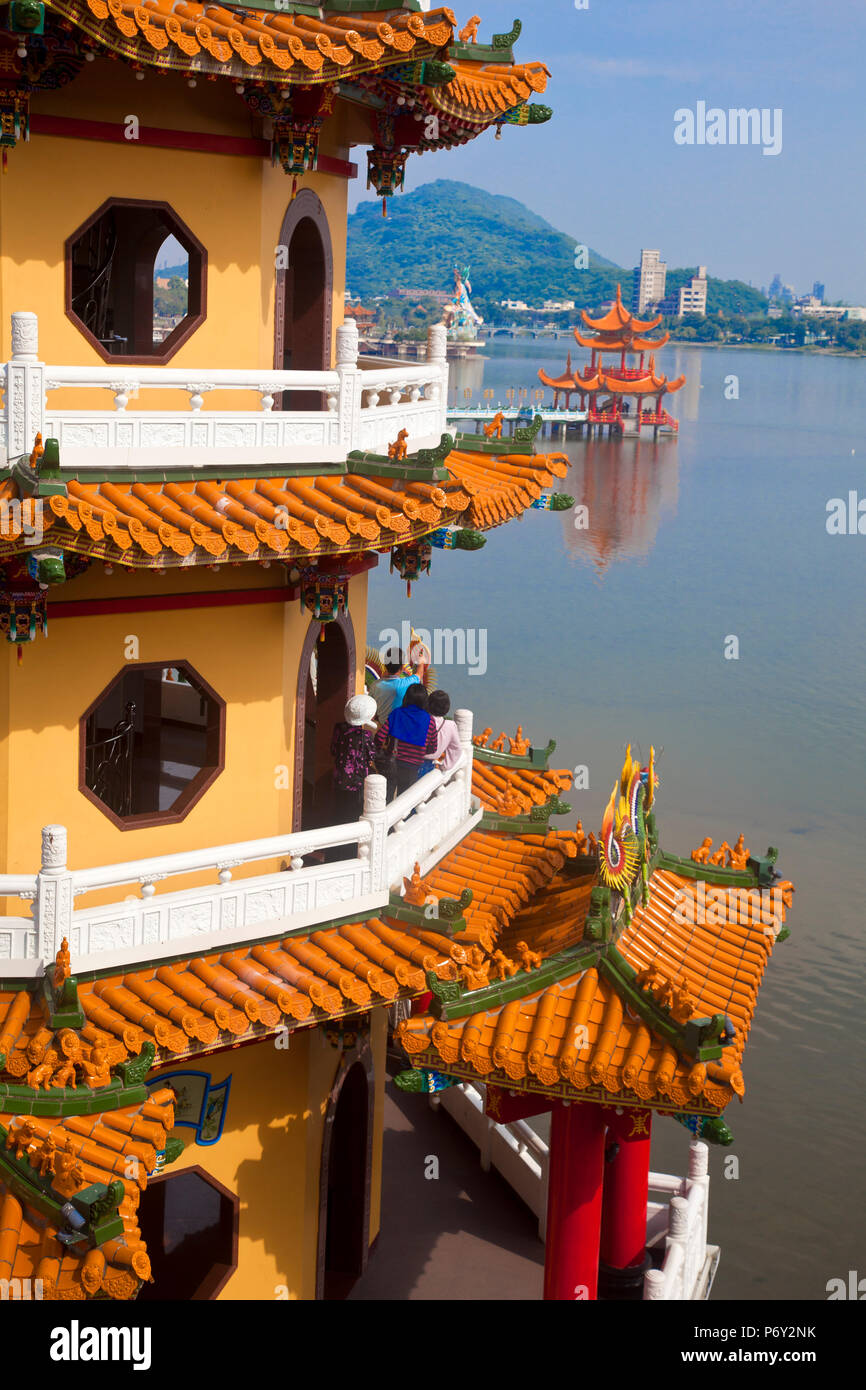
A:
x: 627, y: 485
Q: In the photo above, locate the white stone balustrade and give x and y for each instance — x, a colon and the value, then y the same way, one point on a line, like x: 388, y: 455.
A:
x: 419, y: 827
x: 363, y: 409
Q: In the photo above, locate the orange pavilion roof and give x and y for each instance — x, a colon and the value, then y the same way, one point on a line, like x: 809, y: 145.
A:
x: 625, y: 343
x: 149, y: 524
x: 487, y: 90
x: 619, y: 318
x: 271, y: 44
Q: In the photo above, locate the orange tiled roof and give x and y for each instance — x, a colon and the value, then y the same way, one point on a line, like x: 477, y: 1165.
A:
x: 620, y: 1058
x: 104, y: 1145
x: 274, y: 45
x: 619, y: 318
x: 148, y: 524
x: 626, y: 342
x: 487, y: 90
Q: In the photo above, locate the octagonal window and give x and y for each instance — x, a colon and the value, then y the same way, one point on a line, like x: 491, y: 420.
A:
x: 152, y: 743
x: 135, y: 281
x: 189, y: 1223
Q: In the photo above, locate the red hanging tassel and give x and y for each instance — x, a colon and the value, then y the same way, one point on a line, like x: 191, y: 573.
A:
x: 20, y: 654
x: 384, y: 207
x: 294, y: 188
x: 408, y: 588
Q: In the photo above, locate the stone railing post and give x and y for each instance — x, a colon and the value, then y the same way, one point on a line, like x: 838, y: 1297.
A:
x: 463, y: 720
x: 699, y: 1177
x: 678, y: 1234
x: 25, y: 387
x: 52, y: 910
x: 437, y: 356
x: 375, y: 812
x: 654, y: 1284
x: 349, y: 401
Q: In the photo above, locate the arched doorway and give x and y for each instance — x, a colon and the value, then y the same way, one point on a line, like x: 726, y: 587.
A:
x: 304, y: 295
x: 344, y: 1194
x: 326, y: 680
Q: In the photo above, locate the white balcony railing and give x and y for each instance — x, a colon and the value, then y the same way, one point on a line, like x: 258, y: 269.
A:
x: 679, y: 1225
x: 362, y: 409
x: 420, y: 826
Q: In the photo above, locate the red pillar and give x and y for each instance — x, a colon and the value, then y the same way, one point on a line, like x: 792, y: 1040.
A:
x: 626, y: 1184
x: 574, y: 1202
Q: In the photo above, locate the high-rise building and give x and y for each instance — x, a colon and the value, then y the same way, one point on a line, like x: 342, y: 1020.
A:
x: 818, y: 290
x: 693, y: 296
x: 648, y: 281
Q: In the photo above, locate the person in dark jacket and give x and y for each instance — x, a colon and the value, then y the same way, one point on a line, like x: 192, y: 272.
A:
x: 413, y: 733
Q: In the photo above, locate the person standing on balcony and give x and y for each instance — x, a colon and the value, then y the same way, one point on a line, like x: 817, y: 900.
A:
x: 390, y: 690
x: 409, y: 736
x: 352, y: 747
x: 448, y: 747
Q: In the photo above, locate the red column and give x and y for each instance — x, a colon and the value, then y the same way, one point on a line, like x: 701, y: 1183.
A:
x: 626, y: 1182
x: 574, y: 1202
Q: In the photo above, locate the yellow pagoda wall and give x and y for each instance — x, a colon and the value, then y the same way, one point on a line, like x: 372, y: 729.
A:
x: 249, y: 654
x: 234, y: 204
x: 270, y: 1155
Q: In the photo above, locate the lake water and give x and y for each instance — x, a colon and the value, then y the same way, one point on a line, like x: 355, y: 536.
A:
x: 617, y: 634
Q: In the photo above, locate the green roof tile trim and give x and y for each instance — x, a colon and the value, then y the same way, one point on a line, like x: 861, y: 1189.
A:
x: 427, y: 466
x: 498, y: 50
x: 445, y: 916
x: 759, y: 874
x: 211, y: 472
x: 528, y: 824
x: 480, y: 444
x: 63, y: 1100
x: 698, y: 1038
x: 451, y: 1000
x: 709, y: 1127
x: 536, y: 759
x: 98, y: 1202
x: 63, y: 1007
x: 173, y: 1149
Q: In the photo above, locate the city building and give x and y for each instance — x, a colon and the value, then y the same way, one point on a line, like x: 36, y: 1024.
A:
x: 692, y: 297
x: 818, y: 290
x: 557, y: 306
x: 648, y: 284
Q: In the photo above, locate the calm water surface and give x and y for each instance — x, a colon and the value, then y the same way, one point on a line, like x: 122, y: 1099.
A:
x: 617, y: 633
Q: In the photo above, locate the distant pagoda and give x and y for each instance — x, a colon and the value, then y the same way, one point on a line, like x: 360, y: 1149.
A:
x: 605, y: 386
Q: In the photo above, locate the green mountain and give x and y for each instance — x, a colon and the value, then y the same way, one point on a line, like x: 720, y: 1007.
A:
x: 512, y: 252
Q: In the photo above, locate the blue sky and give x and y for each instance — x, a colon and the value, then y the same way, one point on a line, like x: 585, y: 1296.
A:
x: 606, y: 169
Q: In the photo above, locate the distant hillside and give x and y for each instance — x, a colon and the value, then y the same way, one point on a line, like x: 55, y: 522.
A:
x: 165, y: 272
x: 513, y: 253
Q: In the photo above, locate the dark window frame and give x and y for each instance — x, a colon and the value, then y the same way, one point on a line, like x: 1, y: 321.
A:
x: 196, y: 303
x: 196, y: 787
x: 216, y: 1279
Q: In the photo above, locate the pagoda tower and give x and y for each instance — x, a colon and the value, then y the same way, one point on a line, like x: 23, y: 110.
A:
x: 606, y: 386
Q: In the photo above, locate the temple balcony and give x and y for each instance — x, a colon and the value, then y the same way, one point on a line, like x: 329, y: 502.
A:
x: 114, y: 416
x: 683, y: 1264
x: 124, y: 928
